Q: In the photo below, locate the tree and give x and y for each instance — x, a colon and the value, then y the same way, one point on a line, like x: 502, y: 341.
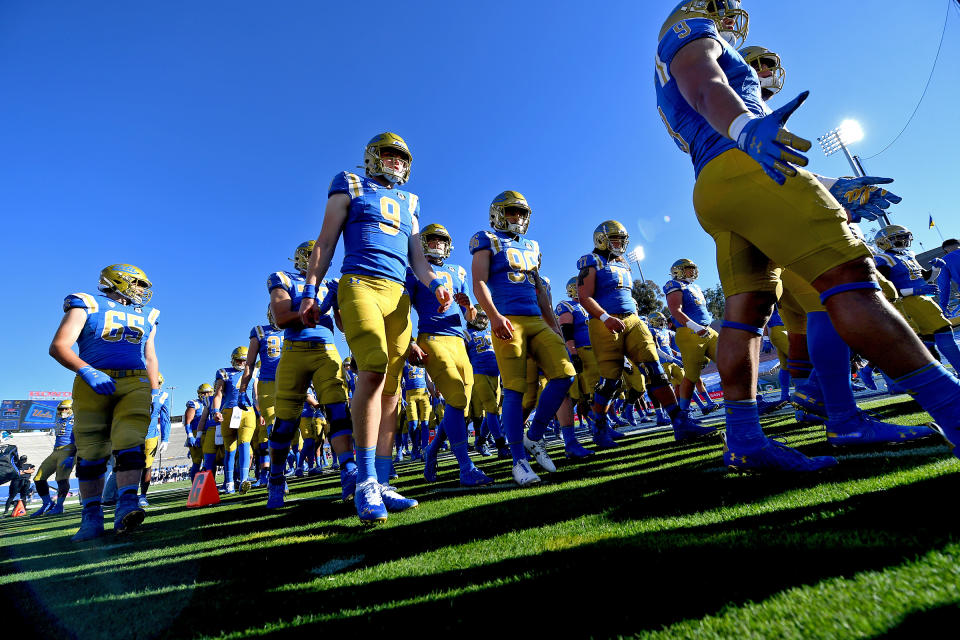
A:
x: 716, y: 302
x: 648, y: 297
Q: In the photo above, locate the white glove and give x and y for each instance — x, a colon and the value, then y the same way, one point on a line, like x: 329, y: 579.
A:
x: 163, y: 447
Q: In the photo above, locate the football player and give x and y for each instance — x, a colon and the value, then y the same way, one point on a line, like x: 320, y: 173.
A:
x: 60, y: 462
x: 573, y: 319
x: 381, y: 229
x: 949, y: 272
x: 232, y: 411
x: 486, y: 379
x: 507, y: 283
x: 439, y: 346
x: 191, y: 422
x: 116, y: 391
x: 418, y: 406
x: 710, y: 100
x: 696, y: 340
x: 157, y: 441
x: 309, y: 356
x: 604, y: 285
x: 266, y: 344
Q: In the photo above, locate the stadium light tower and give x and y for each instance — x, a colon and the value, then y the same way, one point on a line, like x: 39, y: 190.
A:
x: 637, y: 255
x: 849, y: 132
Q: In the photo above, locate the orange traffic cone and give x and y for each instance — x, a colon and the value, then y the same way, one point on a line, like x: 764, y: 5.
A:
x: 19, y: 510
x: 204, y: 491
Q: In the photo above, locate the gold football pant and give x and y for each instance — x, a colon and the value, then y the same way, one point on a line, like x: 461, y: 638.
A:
x: 107, y: 423
x: 531, y: 335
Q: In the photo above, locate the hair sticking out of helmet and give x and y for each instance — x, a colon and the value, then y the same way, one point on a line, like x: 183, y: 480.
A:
x: 373, y: 158
x: 510, y: 204
x: 128, y: 281
x: 443, y: 244
x: 612, y: 237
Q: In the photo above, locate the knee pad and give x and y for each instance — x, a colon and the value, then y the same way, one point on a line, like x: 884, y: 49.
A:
x: 89, y: 470
x: 336, y: 411
x: 283, y: 431
x: 262, y: 448
x: 341, y: 426
x: 656, y: 375
x: 132, y: 459
x: 633, y: 396
x: 607, y: 387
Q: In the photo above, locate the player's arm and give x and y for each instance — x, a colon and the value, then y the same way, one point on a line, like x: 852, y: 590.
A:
x: 586, y: 287
x: 545, y: 303
x: 337, y: 319
x: 500, y: 326
x: 423, y: 270
x: 334, y: 217
x: 66, y: 336
x: 150, y: 358
x: 566, y: 330
x: 462, y: 298
x: 216, y: 401
x: 282, y: 307
x: 188, y: 417
x: 253, y: 351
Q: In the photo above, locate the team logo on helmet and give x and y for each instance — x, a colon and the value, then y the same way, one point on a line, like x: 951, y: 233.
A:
x: 373, y: 162
x: 439, y: 233
x: 516, y: 204
x: 731, y: 21
x: 127, y: 280
x: 893, y: 237
x: 679, y: 270
x: 612, y: 237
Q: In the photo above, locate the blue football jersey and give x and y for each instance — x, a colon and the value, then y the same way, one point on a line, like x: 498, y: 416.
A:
x: 449, y: 323
x: 414, y: 377
x: 114, y: 334
x: 378, y: 227
x: 581, y: 330
x: 231, y: 379
x: 480, y: 351
x: 948, y: 274
x: 194, y: 425
x: 160, y: 426
x: 64, y: 432
x: 775, y: 319
x: 351, y: 379
x: 694, y: 304
x: 692, y: 133
x: 512, y: 258
x: 613, y: 284
x: 271, y: 344
x: 905, y: 271
x: 293, y: 284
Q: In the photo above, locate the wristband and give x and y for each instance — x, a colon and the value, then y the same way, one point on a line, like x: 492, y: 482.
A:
x: 435, y: 284
x: 604, y: 316
x: 310, y: 291
x: 694, y: 326
x: 736, y: 127
x: 906, y: 292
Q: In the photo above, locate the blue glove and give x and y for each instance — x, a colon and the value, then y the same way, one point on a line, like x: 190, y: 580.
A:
x: 766, y: 141
x: 243, y: 401
x: 68, y: 461
x: 926, y: 289
x: 938, y: 263
x: 766, y: 346
x: 328, y: 299
x: 191, y: 441
x: 98, y: 380
x: 155, y: 403
x: 862, y: 198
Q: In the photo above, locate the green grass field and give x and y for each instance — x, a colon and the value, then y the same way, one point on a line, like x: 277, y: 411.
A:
x: 652, y: 540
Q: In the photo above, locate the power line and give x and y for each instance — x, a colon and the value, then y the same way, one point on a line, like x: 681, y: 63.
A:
x: 943, y: 32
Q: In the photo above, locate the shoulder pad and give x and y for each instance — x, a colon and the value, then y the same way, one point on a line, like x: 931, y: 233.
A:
x: 481, y: 240
x: 81, y: 301
x: 346, y: 182
x: 563, y: 307
x: 671, y: 286
x: 279, y: 279
x: 589, y: 260
x: 886, y: 260
x: 222, y: 374
x: 683, y: 33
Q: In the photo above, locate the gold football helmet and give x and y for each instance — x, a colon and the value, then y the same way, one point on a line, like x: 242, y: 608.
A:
x: 732, y: 22
x: 892, y: 237
x: 481, y: 321
x: 66, y: 406
x: 761, y: 60
x: 439, y: 232
x: 679, y: 268
x: 657, y: 319
x: 301, y: 255
x: 510, y: 200
x: 239, y: 355
x: 127, y: 280
x: 572, y: 289
x: 605, y: 237
x: 374, y: 165
x: 204, y: 389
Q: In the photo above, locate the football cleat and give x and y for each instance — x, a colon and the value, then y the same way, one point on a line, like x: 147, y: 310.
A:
x: 369, y: 502
x: 710, y: 408
x: 298, y: 473
x: 245, y: 486
x: 142, y: 501
x: 348, y: 484
x: 430, y: 462
x: 474, y: 477
x: 393, y: 472
x: 275, y: 495
x: 616, y: 435
x: 952, y: 440
x: 315, y: 471
x: 603, y: 440
x: 128, y: 515
x: 503, y: 452
x: 91, y: 524
x: 228, y: 488
x: 802, y: 417
x: 764, y: 407
x: 523, y: 475
x: 864, y: 429
x: 484, y: 450
x: 57, y: 508
x: 44, y: 508
x: 399, y: 456
x: 538, y: 450
x: 576, y: 451
x: 775, y: 456
x: 856, y: 386
x: 867, y: 379
x: 686, y: 429
x: 806, y: 402
x: 394, y: 502
x: 262, y: 482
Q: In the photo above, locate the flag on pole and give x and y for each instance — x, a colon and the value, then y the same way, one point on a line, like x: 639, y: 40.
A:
x: 932, y: 224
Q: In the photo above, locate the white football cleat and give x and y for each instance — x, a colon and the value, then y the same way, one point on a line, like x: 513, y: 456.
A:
x: 538, y: 450
x: 523, y: 475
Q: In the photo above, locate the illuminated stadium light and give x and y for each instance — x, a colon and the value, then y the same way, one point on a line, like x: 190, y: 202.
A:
x: 849, y: 132
x: 637, y: 255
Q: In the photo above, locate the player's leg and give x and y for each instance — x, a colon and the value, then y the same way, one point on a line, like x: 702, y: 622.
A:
x: 150, y: 451
x: 92, y: 432
x: 512, y: 361
x: 47, y: 468
x: 229, y: 449
x: 293, y: 376
x: 130, y: 421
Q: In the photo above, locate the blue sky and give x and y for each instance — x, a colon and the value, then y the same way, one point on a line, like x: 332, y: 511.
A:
x: 197, y: 140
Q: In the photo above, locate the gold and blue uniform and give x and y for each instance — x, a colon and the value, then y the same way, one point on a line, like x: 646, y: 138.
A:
x: 486, y: 376
x: 588, y: 378
x: 159, y: 430
x: 907, y: 275
x: 243, y: 432
x: 758, y: 226
x: 694, y: 349
x: 415, y: 393
x: 513, y: 289
x: 374, y: 309
x: 112, y: 340
x: 194, y: 429
x: 64, y: 446
x: 270, y: 343
x: 309, y: 354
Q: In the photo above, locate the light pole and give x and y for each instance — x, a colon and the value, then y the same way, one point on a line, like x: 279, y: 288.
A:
x: 637, y: 255
x: 837, y: 139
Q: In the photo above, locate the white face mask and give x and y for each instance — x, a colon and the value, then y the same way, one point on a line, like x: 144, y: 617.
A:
x: 768, y: 82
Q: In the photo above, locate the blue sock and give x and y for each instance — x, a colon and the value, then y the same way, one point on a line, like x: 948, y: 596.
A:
x: 783, y: 377
x: 672, y: 410
x: 937, y: 391
x: 512, y: 416
x: 91, y: 502
x: 548, y: 405
x: 228, y: 457
x: 696, y: 398
x: 345, y: 460
x: 660, y: 414
x: 743, y: 425
x: 245, y: 453
x: 831, y: 359
x: 455, y: 427
x: 569, y: 436
x: 210, y: 462
x: 493, y: 423
x: 366, y: 463
x: 948, y: 348
x: 424, y: 433
x: 130, y: 488
x: 382, y: 465
x: 684, y: 403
